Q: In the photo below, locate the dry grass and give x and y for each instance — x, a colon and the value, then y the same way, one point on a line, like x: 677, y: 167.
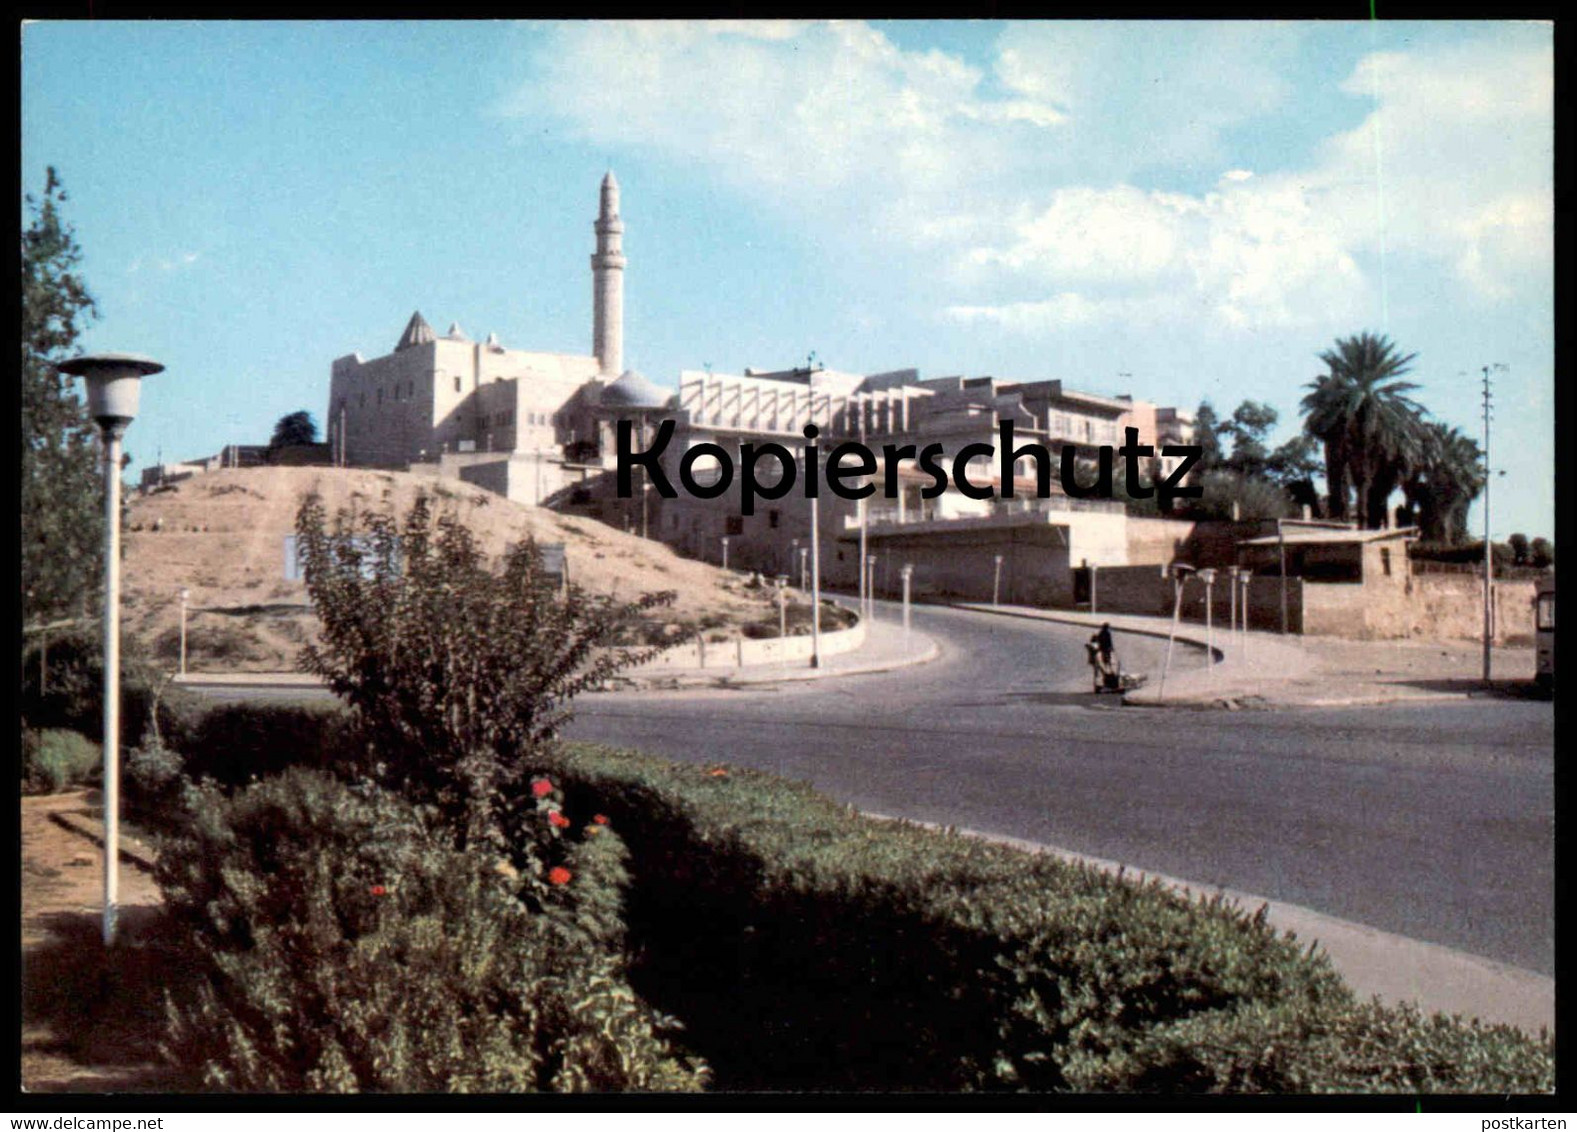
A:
x: 222, y: 536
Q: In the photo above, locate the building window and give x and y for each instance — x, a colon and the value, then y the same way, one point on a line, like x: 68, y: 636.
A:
x: 457, y: 384
x: 733, y: 524
x: 380, y: 395
x: 1385, y: 561
x: 772, y: 518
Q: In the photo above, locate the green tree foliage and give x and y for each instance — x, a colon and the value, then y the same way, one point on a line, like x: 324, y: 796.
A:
x: 292, y: 429
x: 62, y: 524
x: 1254, y: 496
x: 1248, y: 427
x: 1519, y: 548
x: 1541, y: 553
x: 457, y: 676
x: 1207, y: 435
x: 1360, y: 411
x: 1443, y: 480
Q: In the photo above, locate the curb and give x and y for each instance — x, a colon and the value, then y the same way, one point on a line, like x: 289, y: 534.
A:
x: 725, y: 679
x: 1093, y: 619
x: 1374, y: 962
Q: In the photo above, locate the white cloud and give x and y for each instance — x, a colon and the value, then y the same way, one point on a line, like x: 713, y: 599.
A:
x: 985, y: 175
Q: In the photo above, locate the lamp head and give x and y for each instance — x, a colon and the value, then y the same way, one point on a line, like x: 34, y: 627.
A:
x: 113, y: 382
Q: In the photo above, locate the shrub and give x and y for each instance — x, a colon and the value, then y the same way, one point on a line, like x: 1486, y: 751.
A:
x: 345, y: 945
x: 72, y: 695
x: 237, y: 743
x: 809, y: 948
x: 55, y: 759
x: 1346, y: 1047
x: 457, y: 677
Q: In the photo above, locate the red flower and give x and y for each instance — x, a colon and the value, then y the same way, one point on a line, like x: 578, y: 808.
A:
x: 718, y: 772
x: 378, y: 890
x: 600, y: 819
x: 541, y: 787
x: 558, y: 820
x: 558, y: 874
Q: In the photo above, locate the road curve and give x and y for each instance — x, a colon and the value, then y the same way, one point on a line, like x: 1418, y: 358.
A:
x: 1431, y: 821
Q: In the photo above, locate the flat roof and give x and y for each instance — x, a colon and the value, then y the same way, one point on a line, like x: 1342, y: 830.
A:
x: 1307, y: 537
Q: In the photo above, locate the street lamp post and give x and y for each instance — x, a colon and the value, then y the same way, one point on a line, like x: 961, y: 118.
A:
x: 907, y: 572
x: 1245, y: 576
x: 870, y: 586
x: 185, y: 596
x: 996, y: 579
x: 113, y: 382
x: 793, y: 554
x: 1209, y: 578
x: 1232, y: 605
x: 815, y: 582
x: 1179, y: 575
x: 865, y: 592
x: 782, y: 584
x: 725, y: 552
x: 804, y: 552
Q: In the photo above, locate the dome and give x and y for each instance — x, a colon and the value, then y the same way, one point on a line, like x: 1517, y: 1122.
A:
x: 633, y: 391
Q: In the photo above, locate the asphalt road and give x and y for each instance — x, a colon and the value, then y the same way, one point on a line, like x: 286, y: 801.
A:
x: 1432, y: 821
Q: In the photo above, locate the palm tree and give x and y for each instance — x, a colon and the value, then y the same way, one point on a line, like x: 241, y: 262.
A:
x: 1369, y: 426
x: 1443, y: 483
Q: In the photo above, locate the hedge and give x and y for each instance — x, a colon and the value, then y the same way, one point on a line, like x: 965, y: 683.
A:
x: 806, y: 947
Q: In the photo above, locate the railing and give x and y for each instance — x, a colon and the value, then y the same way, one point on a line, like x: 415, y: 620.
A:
x: 1059, y: 504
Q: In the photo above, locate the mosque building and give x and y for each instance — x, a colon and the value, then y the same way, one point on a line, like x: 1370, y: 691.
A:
x: 540, y: 427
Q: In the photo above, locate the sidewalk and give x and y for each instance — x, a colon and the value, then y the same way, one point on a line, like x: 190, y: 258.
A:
x: 1272, y: 670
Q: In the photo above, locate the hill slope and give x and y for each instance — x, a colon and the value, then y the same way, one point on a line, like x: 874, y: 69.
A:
x: 222, y: 536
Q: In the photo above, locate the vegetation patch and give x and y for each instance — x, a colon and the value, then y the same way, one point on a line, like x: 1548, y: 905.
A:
x: 56, y: 759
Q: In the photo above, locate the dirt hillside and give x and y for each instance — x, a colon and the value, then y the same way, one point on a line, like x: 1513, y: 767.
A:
x: 222, y: 536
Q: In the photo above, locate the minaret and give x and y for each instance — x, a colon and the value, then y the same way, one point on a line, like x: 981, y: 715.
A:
x: 607, y: 284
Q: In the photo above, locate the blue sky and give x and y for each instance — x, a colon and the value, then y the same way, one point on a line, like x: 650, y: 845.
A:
x: 1177, y: 210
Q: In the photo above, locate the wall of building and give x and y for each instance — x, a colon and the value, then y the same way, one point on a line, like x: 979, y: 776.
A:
x: 961, y: 564
x: 387, y: 406
x: 1157, y: 541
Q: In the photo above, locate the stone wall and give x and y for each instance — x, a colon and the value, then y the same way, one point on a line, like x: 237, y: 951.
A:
x: 1145, y: 590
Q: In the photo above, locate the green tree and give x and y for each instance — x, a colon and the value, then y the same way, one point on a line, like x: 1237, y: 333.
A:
x: 1361, y: 412
x: 292, y: 429
x: 62, y: 521
x: 1519, y: 548
x: 1248, y: 427
x: 1254, y: 497
x: 457, y: 677
x: 1446, y: 475
x: 1541, y: 553
x: 1207, y: 435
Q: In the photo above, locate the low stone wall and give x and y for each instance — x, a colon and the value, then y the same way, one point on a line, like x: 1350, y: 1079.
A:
x: 1439, y: 607
x: 1145, y: 590
x: 743, y: 651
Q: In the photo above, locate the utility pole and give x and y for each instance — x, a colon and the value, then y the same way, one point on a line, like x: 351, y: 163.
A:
x: 1489, y: 547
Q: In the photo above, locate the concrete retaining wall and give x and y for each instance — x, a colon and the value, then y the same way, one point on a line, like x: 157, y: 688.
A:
x: 742, y: 651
